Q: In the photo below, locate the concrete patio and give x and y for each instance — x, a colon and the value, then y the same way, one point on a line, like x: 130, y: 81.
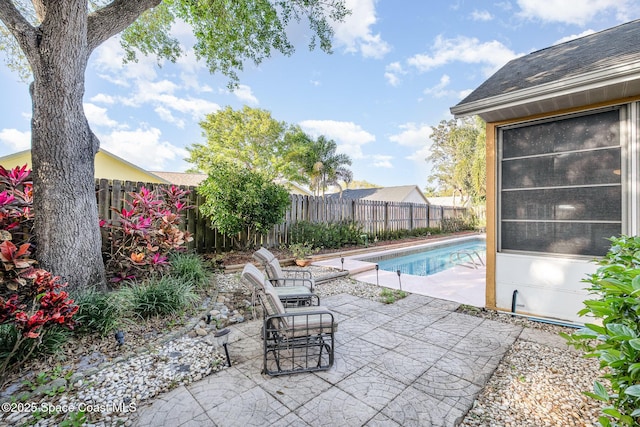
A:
x: 416, y: 362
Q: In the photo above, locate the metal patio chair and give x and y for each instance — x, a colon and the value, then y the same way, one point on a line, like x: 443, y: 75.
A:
x: 283, y: 276
x: 294, y: 295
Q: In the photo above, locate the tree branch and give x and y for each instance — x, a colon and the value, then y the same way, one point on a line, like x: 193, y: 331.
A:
x: 114, y: 18
x: 21, y: 29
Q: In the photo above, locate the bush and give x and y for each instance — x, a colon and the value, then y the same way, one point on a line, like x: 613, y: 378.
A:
x: 141, y: 238
x: 189, y: 268
x: 159, y: 296
x: 332, y: 235
x: 99, y: 312
x: 49, y: 343
x: 616, y: 285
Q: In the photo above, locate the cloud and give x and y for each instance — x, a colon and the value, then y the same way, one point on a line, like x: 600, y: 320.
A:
x: 355, y: 34
x: 136, y: 145
x: 492, y: 54
x: 15, y: 139
x: 97, y: 116
x: 481, y: 15
x: 577, y: 12
x: 244, y: 94
x: 349, y: 136
x: 166, y: 116
x: 439, y: 90
x: 412, y: 135
x: 574, y: 36
x: 102, y: 98
x: 392, y: 73
x: 382, y: 161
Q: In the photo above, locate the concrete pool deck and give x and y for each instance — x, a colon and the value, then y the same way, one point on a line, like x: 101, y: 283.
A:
x: 460, y: 284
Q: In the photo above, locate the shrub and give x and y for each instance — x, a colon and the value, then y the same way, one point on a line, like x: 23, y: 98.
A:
x: 332, y: 235
x: 616, y: 343
x: 32, y: 303
x: 48, y: 343
x: 158, y: 296
x: 99, y: 312
x: 144, y: 233
x: 189, y: 268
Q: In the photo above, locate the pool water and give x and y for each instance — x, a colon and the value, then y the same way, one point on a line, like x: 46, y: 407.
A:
x: 433, y: 260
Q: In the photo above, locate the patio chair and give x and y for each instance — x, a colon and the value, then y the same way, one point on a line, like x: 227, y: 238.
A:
x: 295, y: 339
x: 289, y: 295
x: 282, y: 276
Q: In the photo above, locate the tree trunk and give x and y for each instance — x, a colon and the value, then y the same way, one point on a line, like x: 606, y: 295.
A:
x: 63, y: 151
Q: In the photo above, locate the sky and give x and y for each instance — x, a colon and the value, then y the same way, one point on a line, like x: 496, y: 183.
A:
x: 397, y: 67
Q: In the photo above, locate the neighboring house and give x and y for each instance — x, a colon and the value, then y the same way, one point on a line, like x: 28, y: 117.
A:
x: 182, y: 178
x: 563, y: 167
x: 107, y: 166
x: 403, y: 193
x: 457, y: 202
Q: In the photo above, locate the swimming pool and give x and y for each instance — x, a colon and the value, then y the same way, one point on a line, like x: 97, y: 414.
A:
x: 430, y: 260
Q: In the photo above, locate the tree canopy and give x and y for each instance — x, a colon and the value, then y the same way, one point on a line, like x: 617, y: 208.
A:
x: 53, y: 41
x: 249, y: 137
x: 458, y: 159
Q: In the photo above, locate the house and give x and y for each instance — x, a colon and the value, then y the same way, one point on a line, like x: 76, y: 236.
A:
x: 450, y: 201
x: 107, y: 166
x: 403, y: 193
x: 563, y: 167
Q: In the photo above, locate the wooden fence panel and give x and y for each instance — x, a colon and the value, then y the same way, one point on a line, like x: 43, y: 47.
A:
x: 374, y: 217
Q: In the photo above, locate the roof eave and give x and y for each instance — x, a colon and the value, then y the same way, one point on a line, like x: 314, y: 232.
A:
x: 514, y: 104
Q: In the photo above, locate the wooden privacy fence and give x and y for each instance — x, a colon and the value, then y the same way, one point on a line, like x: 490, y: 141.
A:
x: 374, y: 217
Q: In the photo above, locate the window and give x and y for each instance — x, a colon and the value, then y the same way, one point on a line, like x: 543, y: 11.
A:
x: 560, y: 184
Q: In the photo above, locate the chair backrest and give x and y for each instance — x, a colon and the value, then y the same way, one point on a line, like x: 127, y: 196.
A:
x: 254, y: 277
x: 274, y: 272
x: 263, y: 255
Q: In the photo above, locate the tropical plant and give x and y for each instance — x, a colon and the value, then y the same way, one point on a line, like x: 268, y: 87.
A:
x: 322, y: 165
x: 158, y: 296
x: 99, y: 312
x: 615, y: 342
x: 145, y: 232
x: 302, y: 250
x: 242, y: 203
x: 189, y: 268
x: 52, y: 42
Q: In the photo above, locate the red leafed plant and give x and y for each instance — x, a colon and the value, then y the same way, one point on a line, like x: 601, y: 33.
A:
x: 31, y: 299
x: 142, y: 234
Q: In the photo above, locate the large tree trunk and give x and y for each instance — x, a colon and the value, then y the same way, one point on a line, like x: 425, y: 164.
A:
x: 63, y: 150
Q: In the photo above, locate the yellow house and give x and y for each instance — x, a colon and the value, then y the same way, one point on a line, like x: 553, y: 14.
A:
x: 107, y: 166
x: 563, y: 168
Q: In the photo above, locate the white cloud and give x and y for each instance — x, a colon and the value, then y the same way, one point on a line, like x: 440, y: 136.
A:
x: 244, y: 94
x: 136, y: 146
x: 349, y: 136
x: 97, y: 116
x: 382, y: 161
x: 412, y: 135
x: 166, y: 116
x: 439, y: 90
x: 578, y: 12
x: 481, y: 15
x: 574, y: 36
x: 393, y: 72
x: 102, y: 98
x: 492, y: 54
x: 15, y: 139
x: 355, y: 34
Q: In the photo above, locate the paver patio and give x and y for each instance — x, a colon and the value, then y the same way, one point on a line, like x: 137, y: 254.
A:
x: 416, y: 362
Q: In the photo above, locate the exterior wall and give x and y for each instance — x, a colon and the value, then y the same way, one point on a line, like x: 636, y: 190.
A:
x: 548, y: 286
x: 106, y: 166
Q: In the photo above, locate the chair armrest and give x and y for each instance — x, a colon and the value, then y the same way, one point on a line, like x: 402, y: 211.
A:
x: 292, y: 272
x: 294, y: 281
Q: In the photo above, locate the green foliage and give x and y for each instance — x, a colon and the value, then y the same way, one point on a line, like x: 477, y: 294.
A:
x: 332, y: 235
x: 159, y: 296
x: 321, y: 165
x: 389, y: 296
x: 99, y: 312
x: 458, y: 158
x: 249, y: 138
x: 242, y: 201
x: 616, y: 343
x: 189, y: 268
x: 401, y: 234
x: 15, y: 351
x: 301, y: 250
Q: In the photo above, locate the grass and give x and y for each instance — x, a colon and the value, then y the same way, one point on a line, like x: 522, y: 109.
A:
x: 389, y: 296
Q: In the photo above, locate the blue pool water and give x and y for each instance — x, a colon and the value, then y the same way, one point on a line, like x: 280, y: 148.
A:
x: 432, y: 260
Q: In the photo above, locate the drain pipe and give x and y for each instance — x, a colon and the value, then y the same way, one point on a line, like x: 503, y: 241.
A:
x: 514, y: 299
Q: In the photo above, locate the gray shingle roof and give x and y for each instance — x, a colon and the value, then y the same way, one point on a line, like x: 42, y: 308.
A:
x: 603, y: 55
x: 382, y: 194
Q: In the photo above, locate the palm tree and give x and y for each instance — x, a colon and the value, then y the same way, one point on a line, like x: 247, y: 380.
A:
x: 323, y: 166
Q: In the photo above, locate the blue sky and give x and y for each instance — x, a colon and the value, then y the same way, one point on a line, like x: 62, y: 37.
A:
x: 396, y: 69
